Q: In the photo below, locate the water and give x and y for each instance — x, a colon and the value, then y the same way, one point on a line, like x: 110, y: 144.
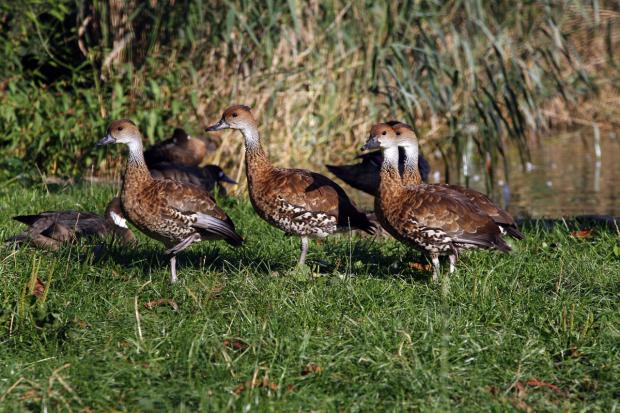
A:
x: 568, y: 175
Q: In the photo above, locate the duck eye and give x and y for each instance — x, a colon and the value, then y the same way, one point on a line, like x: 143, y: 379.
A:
x: 235, y: 115
x: 383, y: 133
x: 120, y: 128
x: 398, y: 133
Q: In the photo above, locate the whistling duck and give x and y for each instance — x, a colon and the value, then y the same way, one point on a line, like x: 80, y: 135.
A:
x: 209, y: 177
x: 409, y: 142
x: 180, y: 149
x: 52, y: 228
x: 297, y: 201
x: 365, y: 175
x: 174, y: 213
x: 431, y: 218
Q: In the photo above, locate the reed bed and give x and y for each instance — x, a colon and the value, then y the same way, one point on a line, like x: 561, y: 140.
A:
x: 472, y: 77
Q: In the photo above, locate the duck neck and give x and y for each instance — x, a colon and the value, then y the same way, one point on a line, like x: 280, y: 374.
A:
x: 256, y: 160
x: 136, y: 170
x: 390, y: 178
x: 411, y: 173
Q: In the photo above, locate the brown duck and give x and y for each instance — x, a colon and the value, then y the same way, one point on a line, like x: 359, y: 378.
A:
x: 209, y: 177
x: 51, y: 229
x: 431, y: 218
x: 297, y: 201
x: 174, y: 213
x: 180, y: 149
x: 409, y: 142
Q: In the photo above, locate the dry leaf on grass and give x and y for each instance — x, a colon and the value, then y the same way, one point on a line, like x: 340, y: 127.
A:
x: 162, y: 301
x: 420, y: 266
x: 235, y: 344
x: 252, y: 384
x: 583, y: 233
x: 539, y: 383
x: 39, y: 288
x: 311, y: 368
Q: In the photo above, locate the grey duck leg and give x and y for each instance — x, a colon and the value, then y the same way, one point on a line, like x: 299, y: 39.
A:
x: 435, y: 261
x: 453, y: 259
x: 304, y: 251
x: 173, y: 251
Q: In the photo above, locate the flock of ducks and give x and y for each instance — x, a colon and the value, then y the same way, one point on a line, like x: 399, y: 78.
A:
x: 168, y: 196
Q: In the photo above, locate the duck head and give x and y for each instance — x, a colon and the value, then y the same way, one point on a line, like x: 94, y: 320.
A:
x: 381, y: 136
x: 405, y: 135
x: 235, y: 117
x: 123, y: 131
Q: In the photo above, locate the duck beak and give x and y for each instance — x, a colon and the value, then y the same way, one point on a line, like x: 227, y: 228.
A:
x: 106, y: 140
x: 371, y: 143
x: 218, y: 126
x: 227, y: 179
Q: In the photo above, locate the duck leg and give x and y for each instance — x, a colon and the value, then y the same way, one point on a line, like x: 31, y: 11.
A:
x: 453, y: 258
x: 304, y: 251
x: 173, y: 251
x: 435, y: 261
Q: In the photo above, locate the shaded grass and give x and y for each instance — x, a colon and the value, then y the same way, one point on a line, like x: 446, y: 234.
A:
x: 384, y: 337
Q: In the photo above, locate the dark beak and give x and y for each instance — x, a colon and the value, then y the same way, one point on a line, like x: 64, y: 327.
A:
x: 218, y: 126
x: 106, y: 140
x: 371, y: 143
x: 227, y: 179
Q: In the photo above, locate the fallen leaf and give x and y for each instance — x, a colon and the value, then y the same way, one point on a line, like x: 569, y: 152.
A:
x: 162, y: 301
x: 420, y: 267
x: 252, y: 384
x: 311, y: 368
x: 538, y: 383
x: 30, y: 394
x: 290, y: 388
x: 236, y: 345
x: 39, y: 288
x: 583, y: 233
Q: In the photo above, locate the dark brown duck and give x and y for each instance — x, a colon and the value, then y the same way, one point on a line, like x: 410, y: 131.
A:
x: 431, y: 218
x: 365, y: 174
x: 174, y: 213
x: 209, y: 177
x: 297, y: 201
x: 51, y: 229
x: 180, y: 149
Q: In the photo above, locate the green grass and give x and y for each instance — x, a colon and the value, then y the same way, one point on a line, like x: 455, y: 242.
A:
x: 385, y: 338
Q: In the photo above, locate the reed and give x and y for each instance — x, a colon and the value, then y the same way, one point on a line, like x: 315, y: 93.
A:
x: 472, y: 77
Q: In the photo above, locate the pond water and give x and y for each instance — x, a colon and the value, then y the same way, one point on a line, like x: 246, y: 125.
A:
x: 566, y: 176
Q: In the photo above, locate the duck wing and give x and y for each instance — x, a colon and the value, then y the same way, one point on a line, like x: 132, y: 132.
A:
x: 441, y: 213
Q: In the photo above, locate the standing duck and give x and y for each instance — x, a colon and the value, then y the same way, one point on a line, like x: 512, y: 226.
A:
x: 51, y: 229
x: 174, y: 213
x: 180, y: 149
x: 297, y: 201
x: 365, y: 175
x: 209, y: 177
x: 409, y: 142
x: 433, y: 219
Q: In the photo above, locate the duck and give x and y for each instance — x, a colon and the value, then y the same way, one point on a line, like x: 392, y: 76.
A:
x: 364, y: 175
x: 175, y: 213
x: 209, y: 177
x: 408, y: 141
x: 433, y: 219
x: 180, y: 149
x: 297, y: 201
x: 50, y: 229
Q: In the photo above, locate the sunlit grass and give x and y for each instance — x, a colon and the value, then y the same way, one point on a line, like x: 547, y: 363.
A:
x: 536, y: 329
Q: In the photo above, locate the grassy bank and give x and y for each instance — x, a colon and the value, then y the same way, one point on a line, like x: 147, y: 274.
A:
x: 536, y: 330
